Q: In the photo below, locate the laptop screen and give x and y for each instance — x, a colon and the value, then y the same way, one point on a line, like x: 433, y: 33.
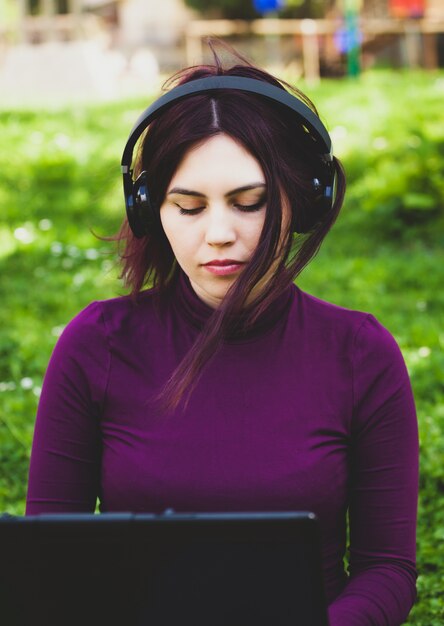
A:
x: 235, y: 569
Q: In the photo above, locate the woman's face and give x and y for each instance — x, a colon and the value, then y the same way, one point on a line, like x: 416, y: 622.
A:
x: 213, y: 214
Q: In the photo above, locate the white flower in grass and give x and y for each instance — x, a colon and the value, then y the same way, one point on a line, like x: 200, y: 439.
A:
x: 91, y: 254
x: 56, y: 248
x: 380, y: 143
x: 62, y: 141
x: 78, y: 280
x: 72, y: 251
x: 45, y: 224
x: 24, y: 235
x: 424, y: 352
x: 7, y: 386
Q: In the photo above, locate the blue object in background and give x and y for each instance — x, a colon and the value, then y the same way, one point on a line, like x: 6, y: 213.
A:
x: 265, y: 6
x: 347, y: 39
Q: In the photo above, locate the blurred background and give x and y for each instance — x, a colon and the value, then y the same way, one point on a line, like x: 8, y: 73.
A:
x: 74, y: 77
x: 108, y: 48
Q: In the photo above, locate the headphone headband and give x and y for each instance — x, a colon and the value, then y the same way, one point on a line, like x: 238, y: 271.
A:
x: 252, y: 85
x: 140, y: 211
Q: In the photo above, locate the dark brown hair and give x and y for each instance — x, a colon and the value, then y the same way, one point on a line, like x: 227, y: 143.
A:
x: 273, y: 136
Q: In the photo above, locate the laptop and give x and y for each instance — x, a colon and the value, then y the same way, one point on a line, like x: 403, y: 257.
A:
x: 193, y: 569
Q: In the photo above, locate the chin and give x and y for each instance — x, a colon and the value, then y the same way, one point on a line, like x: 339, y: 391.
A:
x: 216, y: 295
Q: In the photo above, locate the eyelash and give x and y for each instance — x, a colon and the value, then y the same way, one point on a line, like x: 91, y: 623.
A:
x: 250, y: 208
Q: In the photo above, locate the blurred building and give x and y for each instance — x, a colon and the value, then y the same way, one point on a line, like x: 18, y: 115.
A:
x: 124, y: 24
x: 403, y: 9
x: 82, y: 48
x: 414, y: 32
x: 109, y: 47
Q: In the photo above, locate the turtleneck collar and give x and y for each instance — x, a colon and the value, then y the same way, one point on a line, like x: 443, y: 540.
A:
x: 197, y: 312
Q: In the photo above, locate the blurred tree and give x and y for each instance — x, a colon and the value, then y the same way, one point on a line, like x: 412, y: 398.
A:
x: 230, y: 9
x: 61, y: 6
x: 300, y: 9
x: 244, y: 9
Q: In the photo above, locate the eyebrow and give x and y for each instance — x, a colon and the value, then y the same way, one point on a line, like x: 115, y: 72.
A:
x: 188, y: 192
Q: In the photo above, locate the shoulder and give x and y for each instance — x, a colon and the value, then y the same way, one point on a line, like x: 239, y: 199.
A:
x: 332, y: 324
x: 105, y: 317
x: 358, y: 333
x: 375, y: 339
x: 82, y: 340
x: 377, y: 356
x: 87, y: 342
x: 327, y: 312
x: 381, y: 391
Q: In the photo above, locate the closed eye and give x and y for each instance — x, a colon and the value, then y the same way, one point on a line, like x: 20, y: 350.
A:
x: 251, y: 207
x: 246, y: 208
x: 189, y: 211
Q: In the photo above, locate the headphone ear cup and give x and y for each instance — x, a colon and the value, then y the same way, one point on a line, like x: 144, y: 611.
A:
x: 141, y: 218
x: 320, y: 203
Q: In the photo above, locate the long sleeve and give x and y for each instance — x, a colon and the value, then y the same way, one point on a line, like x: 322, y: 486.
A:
x: 65, y: 457
x: 313, y: 411
x: 383, y: 486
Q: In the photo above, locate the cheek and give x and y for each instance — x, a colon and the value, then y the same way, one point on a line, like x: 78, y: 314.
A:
x: 252, y: 231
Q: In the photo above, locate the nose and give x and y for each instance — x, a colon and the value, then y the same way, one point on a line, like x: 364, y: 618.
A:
x: 219, y: 229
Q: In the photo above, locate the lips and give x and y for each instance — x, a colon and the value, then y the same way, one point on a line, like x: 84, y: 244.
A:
x: 223, y: 267
x: 224, y: 262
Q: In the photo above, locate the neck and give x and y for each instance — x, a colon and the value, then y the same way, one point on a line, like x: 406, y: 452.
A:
x: 245, y: 325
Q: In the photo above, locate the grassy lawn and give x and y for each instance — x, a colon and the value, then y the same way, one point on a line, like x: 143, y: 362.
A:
x: 60, y: 177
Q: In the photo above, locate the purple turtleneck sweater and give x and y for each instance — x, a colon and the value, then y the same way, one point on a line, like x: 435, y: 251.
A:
x: 311, y: 410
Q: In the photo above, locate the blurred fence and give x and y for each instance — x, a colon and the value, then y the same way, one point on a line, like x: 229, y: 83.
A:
x: 318, y: 39
x: 309, y: 48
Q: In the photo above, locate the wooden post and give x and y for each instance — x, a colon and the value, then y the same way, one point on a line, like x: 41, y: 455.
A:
x: 272, y: 41
x: 49, y: 12
x: 310, y: 51
x: 193, y: 49
x: 22, y: 9
x: 430, y: 51
x: 412, y: 43
x: 75, y: 8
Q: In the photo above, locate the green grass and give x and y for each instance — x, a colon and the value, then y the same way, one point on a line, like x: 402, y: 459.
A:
x: 60, y: 177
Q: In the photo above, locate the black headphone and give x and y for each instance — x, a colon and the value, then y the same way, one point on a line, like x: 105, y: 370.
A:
x: 141, y: 214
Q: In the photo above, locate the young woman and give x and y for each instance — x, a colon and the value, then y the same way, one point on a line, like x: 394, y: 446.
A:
x: 223, y: 386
